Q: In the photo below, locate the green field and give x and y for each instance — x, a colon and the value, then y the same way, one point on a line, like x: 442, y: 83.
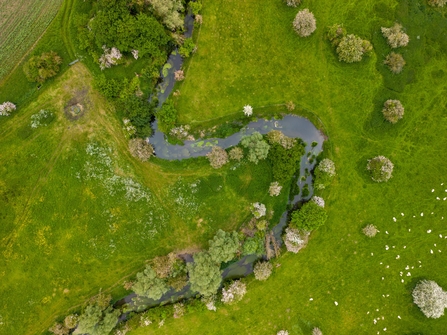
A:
x: 79, y: 214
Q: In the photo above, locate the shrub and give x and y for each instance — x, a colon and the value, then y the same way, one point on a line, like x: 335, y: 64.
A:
x: 167, y: 116
x: 236, y: 154
x: 290, y: 106
x: 293, y: 240
x: 395, y: 62
x: 223, y: 246
x: 218, y: 157
x: 187, y: 48
x: 317, y: 331
x: 97, y: 320
x: 262, y: 270
x: 141, y: 149
x: 204, y: 274
x: 327, y: 166
x: 393, y: 110
x: 309, y: 217
x: 285, y: 162
x: 248, y: 110
x: 352, y: 48
x: 179, y: 75
x: 179, y: 310
x: 234, y: 293
x: 381, y: 168
x: 109, y: 57
x: 395, y: 36
x: 430, y: 298
x: 292, y: 3
x: 59, y: 329
x: 210, y: 302
x: 275, y: 189
x: 262, y: 224
x: 254, y: 246
x: 168, y: 11
x: 304, y: 23
x: 149, y: 285
x: 370, y: 230
x: 40, y: 68
x: 6, y: 108
x: 196, y: 7
x: 336, y: 33
x: 318, y: 200
x: 258, y: 210
x: 438, y: 3
x: 71, y: 321
x: 258, y: 149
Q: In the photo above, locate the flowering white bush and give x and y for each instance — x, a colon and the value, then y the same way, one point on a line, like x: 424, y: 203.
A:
x: 381, y: 168
x: 210, y: 303
x: 393, y: 110
x: 318, y: 200
x: 135, y: 54
x: 236, y: 154
x: 275, y: 189
x: 292, y: 240
x: 234, y: 292
x: 304, y: 23
x: 182, y: 133
x: 282, y: 332
x: 292, y: 3
x: 262, y: 270
x: 395, y: 36
x: 39, y: 118
x: 430, y: 298
x: 370, y: 230
x: 141, y: 149
x: 218, y: 157
x: 129, y: 128
x: 109, y: 57
x: 439, y: 3
x: 258, y: 210
x: 317, y: 331
x: 179, y: 75
x: 327, y: 166
x: 6, y: 108
x: 248, y: 110
x: 179, y: 310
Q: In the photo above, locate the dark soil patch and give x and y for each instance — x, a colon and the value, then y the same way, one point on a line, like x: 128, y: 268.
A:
x: 77, y: 106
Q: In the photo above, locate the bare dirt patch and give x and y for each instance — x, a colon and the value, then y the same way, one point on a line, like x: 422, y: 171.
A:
x: 78, y: 105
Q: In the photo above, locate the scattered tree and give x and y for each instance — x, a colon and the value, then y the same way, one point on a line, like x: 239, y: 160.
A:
x: 141, y: 149
x: 248, y: 110
x: 188, y: 47
x: 97, y: 320
x: 236, y: 154
x: 254, y: 245
x: 336, y: 33
x: 393, y: 110
x: 352, y: 48
x: 294, y: 240
x: 262, y: 270
x: 430, y: 298
x: 258, y: 149
x: 218, y: 157
x: 395, y: 36
x: 318, y: 200
x: 258, y: 210
x: 6, y: 108
x: 109, y: 57
x: 381, y: 168
x: 196, y: 7
x: 147, y: 284
x: 304, y: 23
x: 309, y: 217
x: 292, y: 3
x: 234, y: 293
x: 223, y: 246
x: 204, y: 274
x: 168, y: 11
x: 179, y: 75
x: 275, y: 189
x: 40, y: 68
x: 438, y: 3
x: 395, y: 62
x: 370, y: 230
x: 327, y: 166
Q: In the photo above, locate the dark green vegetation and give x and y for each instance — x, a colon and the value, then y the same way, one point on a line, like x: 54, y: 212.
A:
x: 40, y: 68
x: 309, y: 217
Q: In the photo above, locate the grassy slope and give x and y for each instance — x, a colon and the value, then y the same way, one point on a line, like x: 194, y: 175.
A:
x: 249, y: 55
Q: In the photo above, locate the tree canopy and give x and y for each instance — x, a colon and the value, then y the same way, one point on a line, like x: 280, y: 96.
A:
x: 204, y: 274
x: 309, y: 217
x: 223, y: 246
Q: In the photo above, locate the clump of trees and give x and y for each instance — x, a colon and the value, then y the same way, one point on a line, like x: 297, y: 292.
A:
x: 380, y: 168
x: 218, y: 157
x: 262, y: 270
x: 395, y: 36
x: 393, y: 110
x: 40, y: 68
x: 6, y: 108
x: 430, y: 298
x: 236, y: 154
x: 304, y: 23
x: 395, y: 62
x: 310, y: 217
x: 352, y: 48
x: 370, y: 230
x: 141, y: 149
x: 234, y: 292
x: 437, y: 3
x: 258, y: 149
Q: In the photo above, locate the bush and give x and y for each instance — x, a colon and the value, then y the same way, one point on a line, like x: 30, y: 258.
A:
x: 236, y: 154
x: 309, y: 217
x: 71, y: 321
x: 381, y: 169
x: 395, y: 62
x: 304, y: 23
x: 258, y: 149
x: 168, y: 11
x: 149, y: 285
x: 234, y: 293
x: 196, y: 7
x: 218, y: 157
x: 290, y: 106
x: 141, y: 149
x: 438, y: 3
x: 395, y: 36
x: 258, y: 210
x: 254, y: 245
x: 318, y: 200
x: 6, y: 108
x: 223, y: 246
x: 109, y: 57
x: 327, y: 166
x: 40, y: 68
x: 187, y: 48
x: 275, y: 189
x: 292, y: 3
x: 59, y: 329
x: 430, y: 298
x: 167, y: 116
x: 393, y: 110
x: 262, y: 270
x: 336, y: 33
x: 370, y: 230
x: 285, y: 162
x: 97, y: 320
x: 317, y: 331
x: 204, y: 274
x: 352, y: 48
x: 293, y: 240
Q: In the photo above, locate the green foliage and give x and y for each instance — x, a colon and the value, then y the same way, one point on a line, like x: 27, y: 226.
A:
x: 40, y: 68
x: 195, y: 6
x: 97, y: 321
x: 168, y: 12
x: 187, y: 48
x: 223, y: 246
x: 149, y: 285
x: 204, y: 274
x: 309, y: 217
x: 352, y: 48
x: 285, y: 162
x: 258, y: 149
x: 254, y: 245
x: 336, y: 33
x: 167, y: 116
x: 139, y: 112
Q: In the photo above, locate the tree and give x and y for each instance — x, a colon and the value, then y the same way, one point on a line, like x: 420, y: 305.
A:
x: 293, y: 240
x: 167, y: 116
x: 285, y: 159
x: 141, y: 149
x: 393, y: 110
x: 40, y: 68
x: 59, y: 329
x: 395, y: 62
x: 234, y: 293
x: 395, y: 36
x: 352, y: 48
x: 310, y: 217
x: 218, y: 157
x: 95, y: 320
x: 275, y: 189
x: 258, y: 149
x: 370, y: 230
x: 223, y: 246
x: 380, y: 168
x: 304, y: 23
x: 168, y: 11
x: 149, y: 285
x: 336, y: 33
x: 262, y: 270
x: 236, y: 154
x: 6, y: 108
x: 204, y: 274
x: 430, y: 298
x: 438, y: 3
x: 254, y: 245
